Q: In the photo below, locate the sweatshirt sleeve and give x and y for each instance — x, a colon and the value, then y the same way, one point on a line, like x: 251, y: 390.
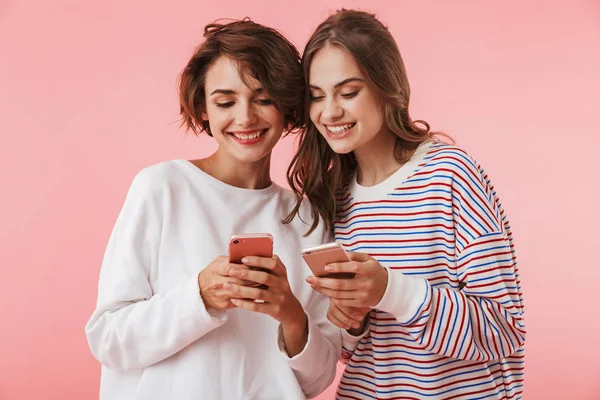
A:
x: 315, y: 365
x: 482, y: 319
x: 350, y: 342
x: 132, y: 327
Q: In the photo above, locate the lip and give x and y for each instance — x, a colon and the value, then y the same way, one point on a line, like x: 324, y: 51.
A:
x: 343, y: 135
x: 248, y: 142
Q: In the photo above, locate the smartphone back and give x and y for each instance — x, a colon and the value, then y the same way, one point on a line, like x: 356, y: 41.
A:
x: 252, y: 244
x: 318, y: 257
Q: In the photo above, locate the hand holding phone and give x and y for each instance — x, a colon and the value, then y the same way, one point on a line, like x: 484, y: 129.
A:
x: 320, y: 256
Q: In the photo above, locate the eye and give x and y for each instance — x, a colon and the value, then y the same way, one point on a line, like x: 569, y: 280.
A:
x: 225, y: 105
x: 350, y: 95
x: 264, y: 102
x: 316, y: 98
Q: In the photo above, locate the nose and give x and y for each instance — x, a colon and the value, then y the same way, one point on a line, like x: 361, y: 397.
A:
x: 246, y: 115
x: 331, y: 110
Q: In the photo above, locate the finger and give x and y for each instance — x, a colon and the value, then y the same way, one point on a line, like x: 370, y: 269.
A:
x: 223, y: 269
x: 251, y: 305
x: 237, y: 281
x: 347, y: 303
x: 357, y: 313
x: 348, y: 267
x: 337, y: 294
x: 260, y: 262
x: 273, y: 264
x: 247, y: 292
x: 360, y: 257
x: 260, y: 277
x: 337, y: 322
x: 332, y: 283
x: 348, y: 320
x: 242, y: 282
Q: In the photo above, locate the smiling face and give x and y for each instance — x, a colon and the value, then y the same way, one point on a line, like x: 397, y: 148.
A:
x: 243, y: 119
x: 344, y: 106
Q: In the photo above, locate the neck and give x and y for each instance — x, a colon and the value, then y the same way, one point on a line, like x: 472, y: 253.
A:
x: 246, y: 175
x: 376, y: 159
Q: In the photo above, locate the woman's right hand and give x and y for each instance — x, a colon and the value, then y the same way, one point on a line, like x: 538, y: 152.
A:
x: 211, y: 280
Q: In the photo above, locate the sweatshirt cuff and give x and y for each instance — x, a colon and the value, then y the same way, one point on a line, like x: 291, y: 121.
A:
x: 197, y: 306
x: 305, y: 359
x: 404, y: 296
x: 350, y: 342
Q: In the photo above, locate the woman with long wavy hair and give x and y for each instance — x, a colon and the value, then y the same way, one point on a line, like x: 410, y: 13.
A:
x: 435, y: 306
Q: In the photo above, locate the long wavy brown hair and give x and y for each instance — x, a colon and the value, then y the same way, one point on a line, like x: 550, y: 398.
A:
x: 316, y: 171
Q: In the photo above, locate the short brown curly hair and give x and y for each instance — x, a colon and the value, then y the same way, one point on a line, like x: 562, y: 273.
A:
x: 260, y: 52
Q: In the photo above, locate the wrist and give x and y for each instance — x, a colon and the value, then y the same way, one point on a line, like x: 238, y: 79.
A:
x: 359, y: 331
x: 202, y: 291
x: 296, y: 326
x: 383, y: 283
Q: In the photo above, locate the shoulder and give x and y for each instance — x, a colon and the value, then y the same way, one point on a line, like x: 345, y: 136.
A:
x: 456, y: 157
x: 155, y: 178
x: 456, y: 161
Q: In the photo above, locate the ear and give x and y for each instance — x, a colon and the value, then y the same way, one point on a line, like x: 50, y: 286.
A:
x: 203, y: 114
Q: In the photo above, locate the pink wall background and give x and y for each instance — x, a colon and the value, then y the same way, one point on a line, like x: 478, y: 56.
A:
x: 88, y: 97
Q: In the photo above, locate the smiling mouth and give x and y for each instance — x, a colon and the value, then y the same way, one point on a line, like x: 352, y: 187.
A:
x: 249, y: 135
x: 339, y: 129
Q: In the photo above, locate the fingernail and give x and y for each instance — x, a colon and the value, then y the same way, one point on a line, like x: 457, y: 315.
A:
x: 246, y: 260
x: 356, y: 326
x: 310, y: 280
x: 235, y: 301
x: 328, y: 268
x: 234, y: 272
x: 227, y: 285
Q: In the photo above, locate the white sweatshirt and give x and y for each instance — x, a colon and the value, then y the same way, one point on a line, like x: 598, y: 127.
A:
x: 151, y: 330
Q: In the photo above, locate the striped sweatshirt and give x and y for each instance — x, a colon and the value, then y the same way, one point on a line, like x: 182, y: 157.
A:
x: 450, y: 323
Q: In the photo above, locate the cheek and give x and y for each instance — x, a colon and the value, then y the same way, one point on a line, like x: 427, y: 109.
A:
x: 313, y: 112
x: 274, y: 117
x: 217, y: 118
x: 370, y: 112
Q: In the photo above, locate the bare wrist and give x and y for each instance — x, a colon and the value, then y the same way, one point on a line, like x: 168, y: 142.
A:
x: 296, y: 326
x: 363, y: 326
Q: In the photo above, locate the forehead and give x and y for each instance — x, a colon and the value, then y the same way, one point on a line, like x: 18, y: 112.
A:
x: 331, y: 65
x: 225, y: 74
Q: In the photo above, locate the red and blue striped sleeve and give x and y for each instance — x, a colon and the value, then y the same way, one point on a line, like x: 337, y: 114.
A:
x: 483, y: 319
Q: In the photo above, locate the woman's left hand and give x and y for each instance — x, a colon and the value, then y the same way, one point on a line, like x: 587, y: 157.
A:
x: 365, y: 289
x: 278, y: 300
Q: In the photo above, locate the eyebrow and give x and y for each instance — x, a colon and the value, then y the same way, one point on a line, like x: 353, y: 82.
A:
x: 342, y: 83
x: 229, y: 91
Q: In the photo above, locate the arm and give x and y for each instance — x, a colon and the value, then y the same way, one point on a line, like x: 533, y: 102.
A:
x: 315, y: 366
x: 310, y: 344
x: 351, y: 338
x: 354, y: 325
x: 481, y: 322
x: 480, y: 319
x: 132, y: 327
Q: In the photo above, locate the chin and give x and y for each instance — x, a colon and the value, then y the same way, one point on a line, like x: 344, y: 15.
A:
x: 341, y: 148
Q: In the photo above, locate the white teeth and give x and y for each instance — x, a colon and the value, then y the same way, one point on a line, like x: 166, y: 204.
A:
x: 247, y: 136
x: 339, y: 128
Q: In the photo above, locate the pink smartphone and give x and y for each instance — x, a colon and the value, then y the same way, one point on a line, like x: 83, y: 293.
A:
x: 318, y: 257
x: 250, y: 244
